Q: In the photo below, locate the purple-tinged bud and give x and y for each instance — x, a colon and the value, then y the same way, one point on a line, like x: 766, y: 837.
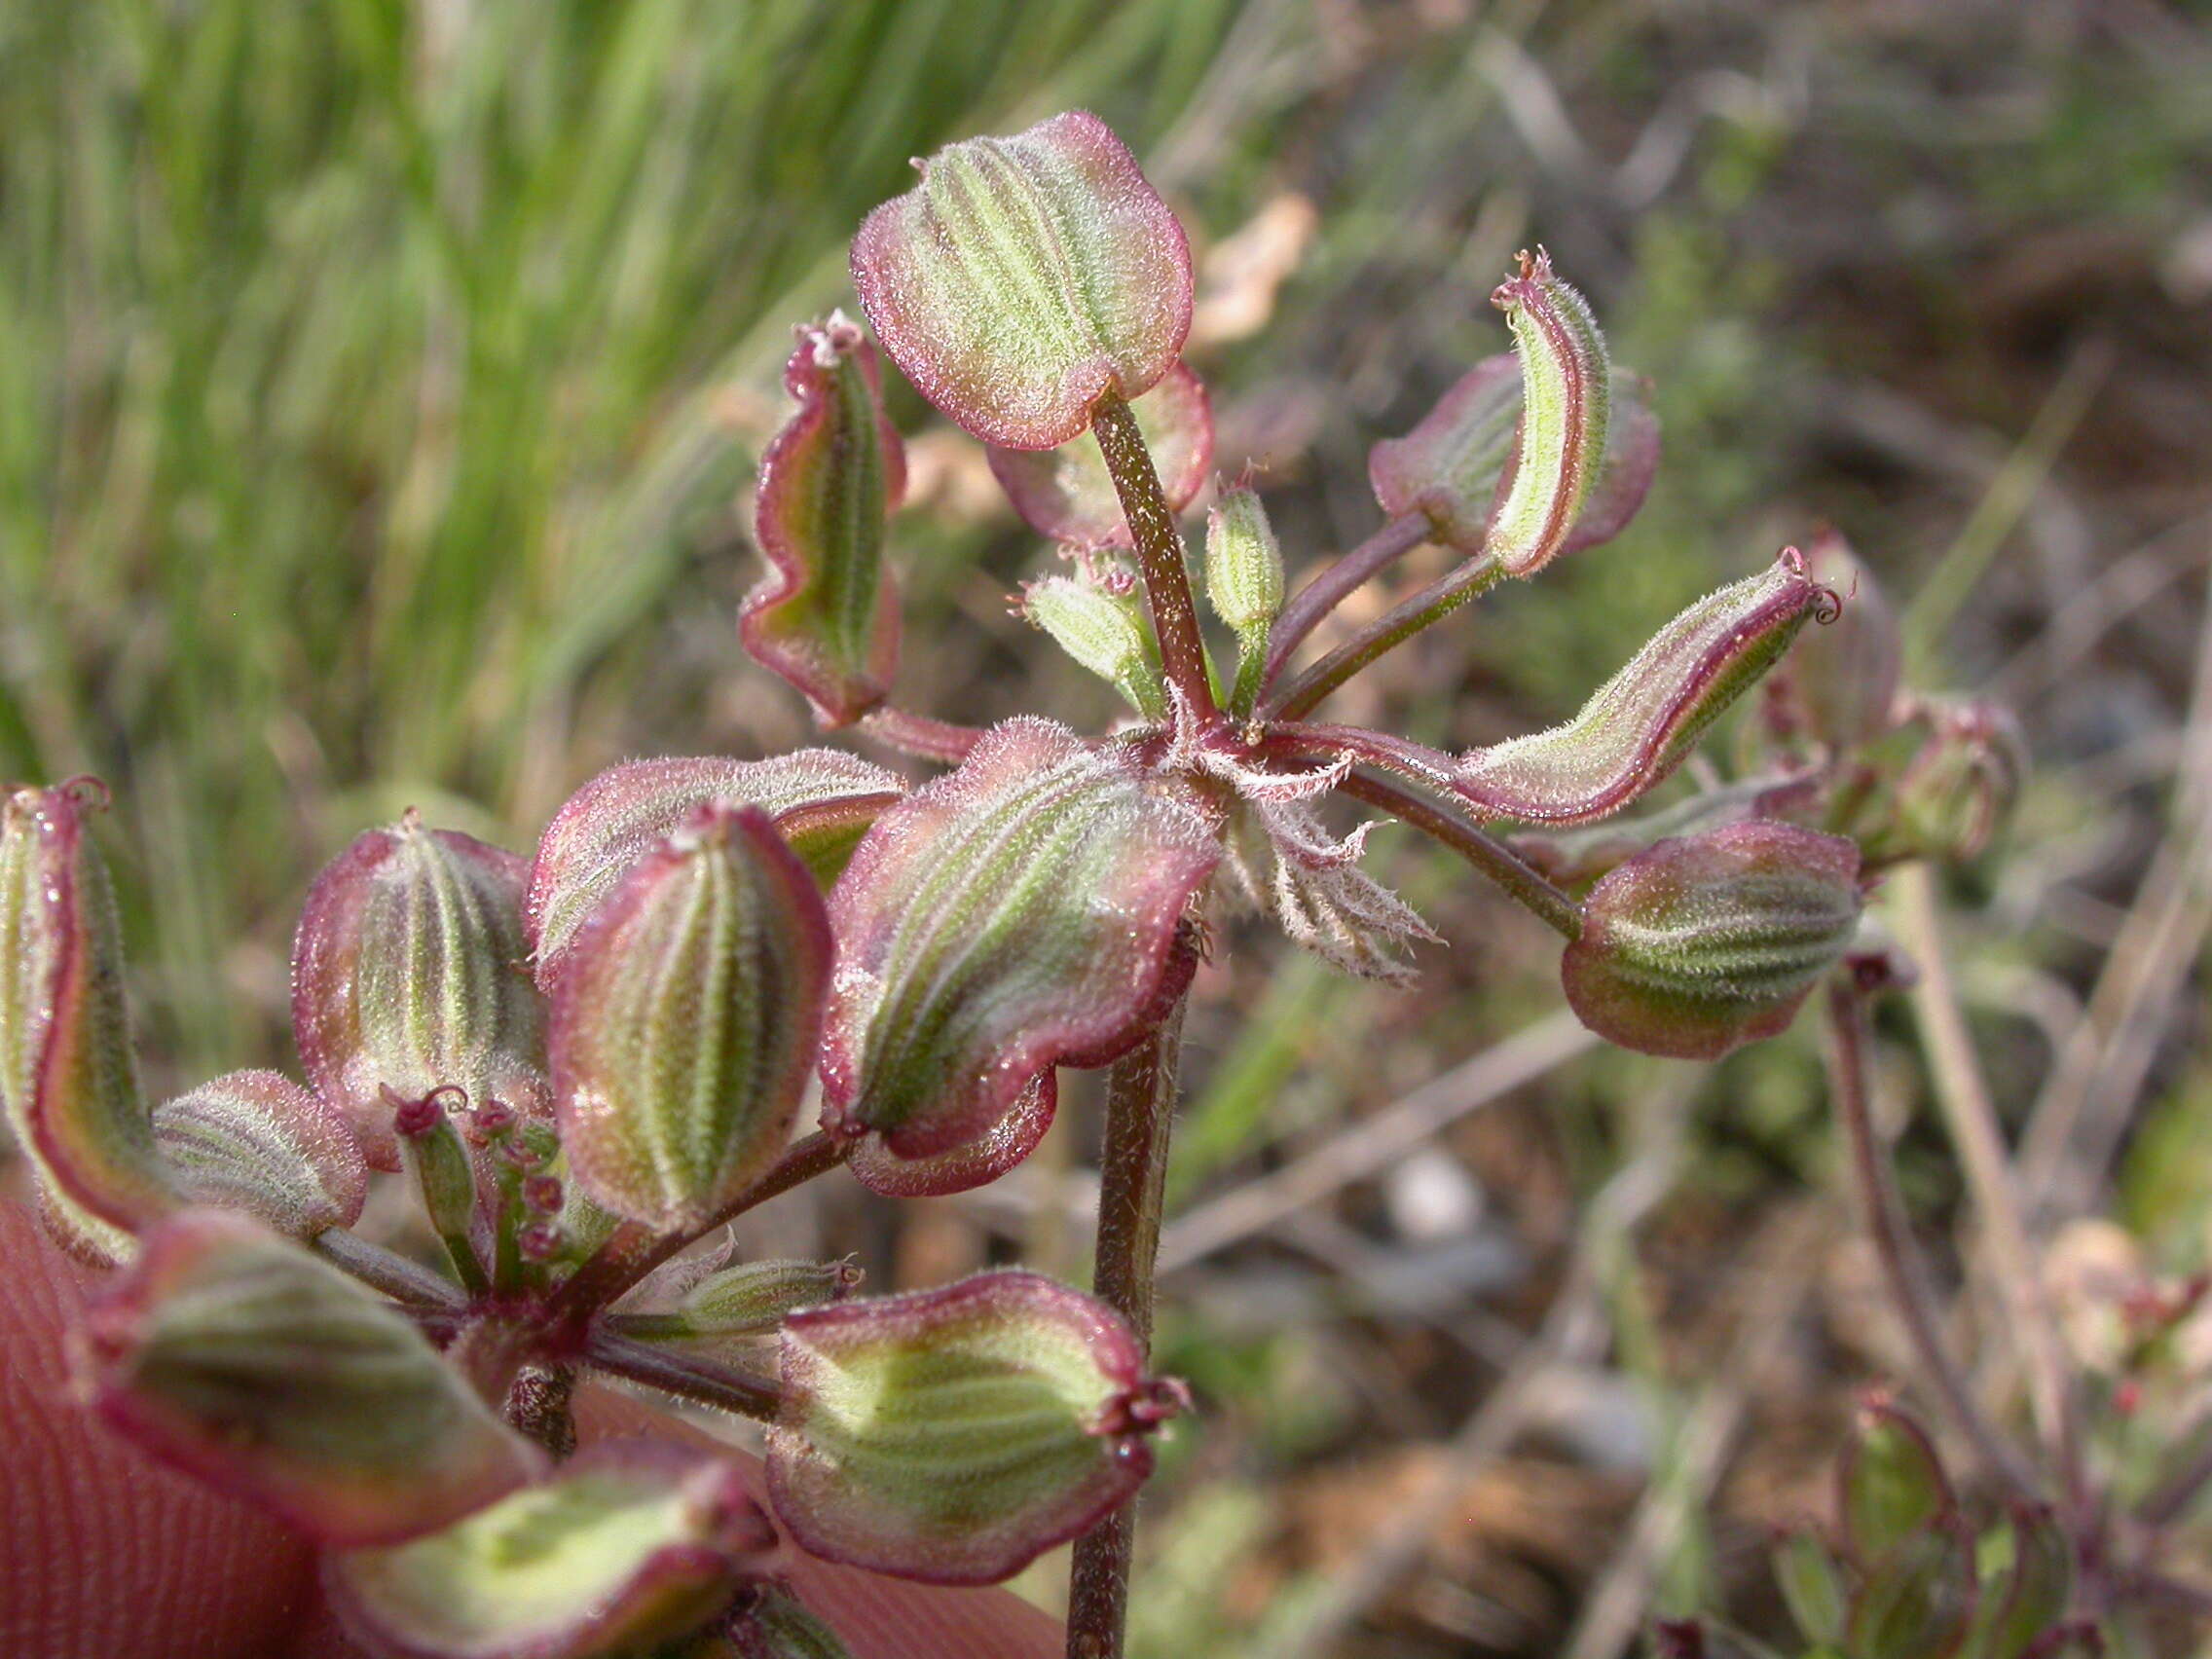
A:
x: 1016, y: 913
x: 67, y: 1074
x: 490, y: 1124
x: 1961, y: 785
x: 1452, y: 467
x: 825, y: 618
x: 1641, y: 724
x: 411, y: 972
x: 1918, y: 1600
x: 954, y: 1435
x: 258, y: 1142
x: 685, y: 1023
x: 1565, y: 409
x: 1067, y: 493
x: 750, y: 1300
x: 774, y: 1624
x: 1840, y: 685
x: 1812, y: 1587
x: 437, y: 1162
x: 542, y: 1195
x: 823, y: 802
x: 540, y: 1241
x: 1025, y: 278
x: 628, y: 1545
x: 1705, y: 943
x: 240, y: 1358
x: 1889, y: 1480
x: 973, y: 1163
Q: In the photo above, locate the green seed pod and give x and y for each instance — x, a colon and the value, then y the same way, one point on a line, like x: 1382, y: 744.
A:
x: 1918, y: 1601
x: 237, y: 1356
x: 750, y: 1300
x: 954, y: 1435
x: 411, y: 974
x: 1017, y: 914
x: 826, y: 618
x: 435, y: 1160
x: 1106, y: 632
x: 1025, y: 278
x: 1641, y: 724
x: 630, y: 1544
x: 1565, y: 409
x: 258, y: 1142
x: 1960, y: 786
x: 1890, y: 1482
x: 1705, y: 943
x: 822, y: 799
x: 67, y: 1074
x: 1450, y: 468
x: 684, y: 1023
x: 776, y: 1625
x: 1244, y: 581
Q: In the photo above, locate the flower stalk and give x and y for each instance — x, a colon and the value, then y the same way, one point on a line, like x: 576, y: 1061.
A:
x: 1159, y: 547
x: 1140, y: 1107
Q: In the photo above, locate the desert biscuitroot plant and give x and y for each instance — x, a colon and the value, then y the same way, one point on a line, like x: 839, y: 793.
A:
x: 589, y: 1062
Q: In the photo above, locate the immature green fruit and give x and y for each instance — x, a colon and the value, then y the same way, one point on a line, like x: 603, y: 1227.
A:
x: 685, y: 1023
x: 974, y: 1162
x: 243, y: 1359
x: 630, y: 1544
x: 1067, y: 493
x: 1918, y: 1600
x: 1244, y: 581
x: 1105, y: 631
x: 1451, y: 467
x: 827, y: 616
x: 954, y: 1435
x: 750, y: 1299
x: 256, y: 1141
x: 1017, y: 914
x: 1812, y: 1587
x: 822, y: 800
x: 1025, y: 278
x: 1889, y: 1480
x: 1641, y: 724
x: 411, y: 974
x: 1705, y: 943
x: 67, y: 1074
x: 775, y: 1625
x: 2028, y: 1597
x: 1566, y: 409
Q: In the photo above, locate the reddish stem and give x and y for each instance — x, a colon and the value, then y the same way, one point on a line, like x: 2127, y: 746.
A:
x: 1140, y: 1106
x: 686, y: 1375
x: 1400, y: 623
x: 633, y: 1250
x: 1902, y: 1263
x: 1492, y: 858
x: 919, y: 735
x: 1159, y: 551
x: 1337, y: 581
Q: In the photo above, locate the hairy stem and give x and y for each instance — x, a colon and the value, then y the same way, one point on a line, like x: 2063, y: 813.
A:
x: 633, y: 1250
x: 1488, y: 855
x: 1337, y: 581
x: 1901, y: 1264
x: 683, y: 1374
x: 1970, y: 1118
x: 919, y: 735
x: 382, y: 1269
x: 1140, y: 1107
x: 1158, y: 550
x: 1400, y: 623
